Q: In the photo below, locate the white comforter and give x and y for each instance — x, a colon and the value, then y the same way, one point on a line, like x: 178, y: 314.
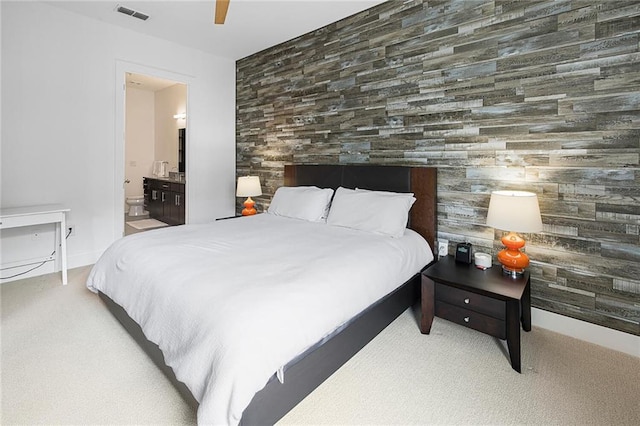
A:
x: 231, y: 302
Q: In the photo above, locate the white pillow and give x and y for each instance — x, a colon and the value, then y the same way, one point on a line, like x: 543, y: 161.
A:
x: 301, y: 202
x: 380, y: 212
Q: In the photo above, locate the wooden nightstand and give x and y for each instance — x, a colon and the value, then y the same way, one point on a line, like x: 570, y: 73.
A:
x: 237, y: 215
x: 488, y: 301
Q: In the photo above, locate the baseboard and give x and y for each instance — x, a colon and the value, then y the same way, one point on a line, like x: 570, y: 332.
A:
x: 73, y: 261
x: 83, y: 259
x: 592, y: 333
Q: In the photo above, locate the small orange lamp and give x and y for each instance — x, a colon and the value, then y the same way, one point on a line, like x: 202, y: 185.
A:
x: 514, y: 211
x: 248, y: 186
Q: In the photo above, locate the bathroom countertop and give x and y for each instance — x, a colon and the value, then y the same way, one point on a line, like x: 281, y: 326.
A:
x: 166, y: 179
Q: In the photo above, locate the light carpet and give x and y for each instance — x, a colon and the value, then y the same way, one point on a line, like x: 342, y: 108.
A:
x: 66, y: 360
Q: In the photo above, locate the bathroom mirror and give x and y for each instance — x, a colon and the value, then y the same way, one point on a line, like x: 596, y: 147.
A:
x: 182, y: 154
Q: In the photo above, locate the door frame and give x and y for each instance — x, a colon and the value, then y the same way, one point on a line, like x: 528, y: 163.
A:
x: 122, y: 68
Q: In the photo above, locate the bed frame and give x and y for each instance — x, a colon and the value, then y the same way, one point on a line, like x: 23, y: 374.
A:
x: 313, y: 367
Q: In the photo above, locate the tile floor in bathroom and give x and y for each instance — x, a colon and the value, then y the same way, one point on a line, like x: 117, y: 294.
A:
x: 128, y: 229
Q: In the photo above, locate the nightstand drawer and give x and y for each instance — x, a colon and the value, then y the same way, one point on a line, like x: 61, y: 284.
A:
x: 471, y: 319
x: 472, y: 301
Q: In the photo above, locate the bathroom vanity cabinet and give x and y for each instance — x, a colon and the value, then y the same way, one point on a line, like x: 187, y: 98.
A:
x: 164, y: 199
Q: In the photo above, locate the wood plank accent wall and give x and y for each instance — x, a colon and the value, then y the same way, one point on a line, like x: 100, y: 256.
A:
x: 542, y: 96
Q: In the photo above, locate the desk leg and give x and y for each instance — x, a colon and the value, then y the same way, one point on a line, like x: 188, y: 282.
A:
x: 63, y: 248
x: 513, y: 333
x: 57, y: 265
x: 427, y: 304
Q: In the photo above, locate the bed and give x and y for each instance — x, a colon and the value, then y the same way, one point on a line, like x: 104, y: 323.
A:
x: 295, y: 359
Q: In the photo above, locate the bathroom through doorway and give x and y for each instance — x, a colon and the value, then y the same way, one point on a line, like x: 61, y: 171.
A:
x: 155, y: 117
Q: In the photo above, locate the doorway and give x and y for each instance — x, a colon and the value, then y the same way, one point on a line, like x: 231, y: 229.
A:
x: 152, y: 148
x: 155, y: 120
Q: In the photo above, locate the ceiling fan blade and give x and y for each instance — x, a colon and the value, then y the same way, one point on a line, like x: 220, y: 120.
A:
x: 221, y: 11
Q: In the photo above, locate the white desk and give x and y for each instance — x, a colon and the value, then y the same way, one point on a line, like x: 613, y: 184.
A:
x: 38, y: 215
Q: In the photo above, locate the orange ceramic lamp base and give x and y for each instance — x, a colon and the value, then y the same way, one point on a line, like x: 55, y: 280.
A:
x: 513, y: 260
x: 248, y: 207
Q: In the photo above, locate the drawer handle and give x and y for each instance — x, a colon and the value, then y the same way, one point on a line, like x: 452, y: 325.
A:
x: 466, y: 300
x: 466, y: 319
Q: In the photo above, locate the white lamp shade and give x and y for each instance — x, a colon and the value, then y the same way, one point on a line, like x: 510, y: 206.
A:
x: 516, y: 211
x: 248, y: 186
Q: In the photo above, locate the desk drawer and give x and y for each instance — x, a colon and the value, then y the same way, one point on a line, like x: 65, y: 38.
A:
x: 468, y: 300
x: 471, y: 319
x: 7, y: 222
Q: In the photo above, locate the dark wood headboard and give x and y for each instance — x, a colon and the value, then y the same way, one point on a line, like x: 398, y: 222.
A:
x: 419, y: 180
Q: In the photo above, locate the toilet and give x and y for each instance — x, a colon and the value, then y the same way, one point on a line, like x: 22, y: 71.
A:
x: 136, y: 205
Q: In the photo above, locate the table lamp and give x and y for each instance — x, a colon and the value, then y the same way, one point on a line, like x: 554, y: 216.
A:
x: 514, y: 211
x: 248, y: 186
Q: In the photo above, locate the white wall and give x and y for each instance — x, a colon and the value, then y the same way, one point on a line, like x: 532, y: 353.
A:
x: 59, y: 141
x: 140, y: 138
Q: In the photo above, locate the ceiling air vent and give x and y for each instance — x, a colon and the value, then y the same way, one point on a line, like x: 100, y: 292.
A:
x: 131, y: 12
